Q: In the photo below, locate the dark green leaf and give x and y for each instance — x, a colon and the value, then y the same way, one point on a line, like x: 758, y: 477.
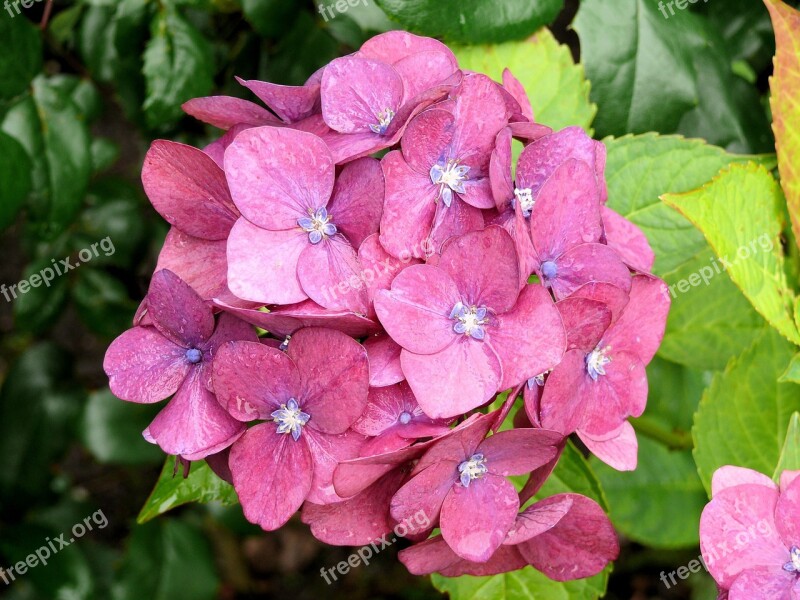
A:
x: 305, y: 48
x: 104, y: 154
x: 790, y: 455
x: 178, y: 66
x: 38, y: 411
x: 21, y: 58
x: 111, y: 430
x: 15, y: 179
x: 651, y: 73
x: 473, y: 21
x: 202, y: 485
x: 102, y: 302
x: 270, y: 17
x: 37, y: 309
x: 166, y: 560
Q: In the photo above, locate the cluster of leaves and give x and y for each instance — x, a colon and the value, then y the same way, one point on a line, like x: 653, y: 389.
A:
x: 722, y: 390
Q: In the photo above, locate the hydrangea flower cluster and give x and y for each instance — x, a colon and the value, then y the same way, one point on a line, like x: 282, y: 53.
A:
x: 750, y: 534
x: 435, y: 317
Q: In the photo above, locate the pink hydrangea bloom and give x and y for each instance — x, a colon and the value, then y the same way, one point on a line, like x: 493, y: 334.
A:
x: 750, y: 534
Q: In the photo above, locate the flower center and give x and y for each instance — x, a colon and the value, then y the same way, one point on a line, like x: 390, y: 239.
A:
x: 474, y: 468
x: 450, y: 177
x: 285, y: 344
x: 549, y: 269
x: 596, y: 362
x: 290, y: 418
x: 469, y: 320
x: 194, y: 356
x: 405, y: 417
x: 793, y: 566
x: 317, y: 225
x: 538, y: 380
x: 525, y: 198
x: 384, y: 120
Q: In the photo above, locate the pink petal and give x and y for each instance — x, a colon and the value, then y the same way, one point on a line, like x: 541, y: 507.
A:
x: 616, y: 299
x: 519, y: 451
x: 587, y: 263
x: 542, y: 158
x: 409, y: 209
x: 460, y: 443
x: 562, y: 404
x: 285, y: 320
x: 383, y: 408
x: 480, y: 114
x: 567, y: 210
x: 478, y: 193
x: 426, y: 493
x: 228, y: 329
x: 355, y: 91
x: 585, y: 321
x: 787, y: 513
x: 278, y: 175
x: 539, y: 517
x: 177, y: 311
x: 272, y: 475
x: 484, y: 266
x: 216, y: 149
x: 738, y: 532
x: 463, y: 376
x: 188, y: 189
x: 393, y: 46
x: 357, y: 203
x: 193, y: 424
x: 618, y: 450
x: 354, y: 476
x: 731, y: 476
x: 331, y: 275
x: 434, y: 555
x: 580, y: 545
x: 476, y: 519
x: 290, y: 103
x: 143, y: 366
x: 327, y: 451
x: 620, y: 393
x: 763, y: 582
x: 379, y: 268
x: 452, y: 221
x: 384, y: 360
x: 787, y: 478
x: 334, y: 374
x: 226, y: 111
x: 529, y: 132
x: 356, y: 521
x: 423, y: 71
x: 262, y: 264
x: 427, y: 136
x: 500, y: 170
x: 252, y: 380
x: 219, y: 464
x: 202, y: 264
x: 515, y: 88
x: 628, y: 241
x: 529, y: 339
x: 416, y: 311
x: 640, y: 329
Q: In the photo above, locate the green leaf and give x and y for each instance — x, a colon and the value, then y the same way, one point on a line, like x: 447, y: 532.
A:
x: 526, y: 583
x: 166, y: 560
x: 55, y: 135
x: 658, y: 504
x: 651, y: 73
x: 472, y: 21
x: 38, y: 309
x: 792, y: 372
x: 710, y: 319
x: 178, y: 66
x: 556, y: 86
x: 747, y: 31
x: 790, y: 455
x: 22, y: 57
x: 744, y: 414
x: 38, y: 410
x: 15, y: 179
x: 270, y: 17
x: 740, y: 214
x: 102, y: 302
x: 112, y: 430
x: 104, y: 154
x: 301, y: 51
x: 639, y: 169
x: 785, y: 86
x: 573, y: 474
x: 172, y: 490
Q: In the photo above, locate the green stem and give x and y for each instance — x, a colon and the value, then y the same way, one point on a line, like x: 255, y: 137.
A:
x: 674, y: 440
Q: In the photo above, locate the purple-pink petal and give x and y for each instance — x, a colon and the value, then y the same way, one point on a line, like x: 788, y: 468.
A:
x: 384, y: 360
x: 290, y: 103
x: 177, y: 311
x: 331, y: 275
x: 226, y: 111
x: 357, y: 203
